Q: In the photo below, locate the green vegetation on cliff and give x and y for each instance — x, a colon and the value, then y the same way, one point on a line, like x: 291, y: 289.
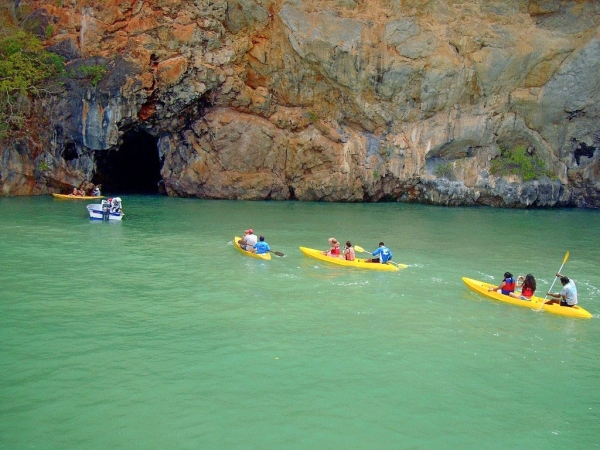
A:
x: 519, y: 162
x: 24, y: 68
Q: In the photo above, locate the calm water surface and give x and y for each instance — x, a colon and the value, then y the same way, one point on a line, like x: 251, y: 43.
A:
x: 156, y: 333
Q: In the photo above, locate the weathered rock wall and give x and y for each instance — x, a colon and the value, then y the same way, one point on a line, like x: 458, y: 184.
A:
x: 336, y: 100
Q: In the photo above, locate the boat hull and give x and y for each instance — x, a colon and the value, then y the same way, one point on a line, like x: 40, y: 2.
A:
x: 263, y: 256
x: 76, y: 197
x: 97, y: 214
x: 535, y: 303
x: 358, y: 263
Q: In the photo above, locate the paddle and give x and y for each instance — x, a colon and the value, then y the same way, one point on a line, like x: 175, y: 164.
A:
x: 552, y: 285
x: 277, y: 253
x: 360, y: 249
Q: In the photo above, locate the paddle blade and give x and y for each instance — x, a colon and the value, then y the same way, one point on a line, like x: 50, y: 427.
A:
x: 277, y: 253
x: 566, y: 257
x: 358, y: 248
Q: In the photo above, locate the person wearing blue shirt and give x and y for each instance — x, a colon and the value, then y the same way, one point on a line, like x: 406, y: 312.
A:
x: 261, y: 246
x: 381, y: 255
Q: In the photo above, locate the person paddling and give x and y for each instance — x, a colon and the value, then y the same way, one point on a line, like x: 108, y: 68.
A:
x: 261, y: 246
x: 568, y: 295
x: 381, y: 255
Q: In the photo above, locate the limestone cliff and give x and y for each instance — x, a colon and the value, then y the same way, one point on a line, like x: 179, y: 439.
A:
x: 335, y: 100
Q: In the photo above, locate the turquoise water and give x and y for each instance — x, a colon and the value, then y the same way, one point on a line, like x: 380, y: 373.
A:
x: 156, y: 333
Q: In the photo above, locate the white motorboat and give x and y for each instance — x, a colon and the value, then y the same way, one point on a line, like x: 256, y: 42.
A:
x: 108, y: 210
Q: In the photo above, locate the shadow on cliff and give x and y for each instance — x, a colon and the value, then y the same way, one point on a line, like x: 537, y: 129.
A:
x: 132, y: 169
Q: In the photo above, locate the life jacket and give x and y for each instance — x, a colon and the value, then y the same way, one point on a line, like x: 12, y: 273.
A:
x: 527, y: 292
x: 350, y: 255
x: 509, y: 286
x: 334, y: 251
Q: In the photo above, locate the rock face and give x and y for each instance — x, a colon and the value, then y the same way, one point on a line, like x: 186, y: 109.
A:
x: 335, y: 100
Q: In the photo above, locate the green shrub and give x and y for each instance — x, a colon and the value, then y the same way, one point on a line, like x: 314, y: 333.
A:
x: 519, y: 162
x: 445, y: 170
x: 313, y: 117
x: 94, y: 73
x: 42, y: 166
x: 24, y: 68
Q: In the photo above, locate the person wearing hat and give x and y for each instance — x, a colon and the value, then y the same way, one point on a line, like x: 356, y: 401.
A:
x: 248, y: 240
x: 568, y: 295
x: 261, y: 246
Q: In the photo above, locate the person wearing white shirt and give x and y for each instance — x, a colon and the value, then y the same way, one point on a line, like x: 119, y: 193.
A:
x: 568, y: 295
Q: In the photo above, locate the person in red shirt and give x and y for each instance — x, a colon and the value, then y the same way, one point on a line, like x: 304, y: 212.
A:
x: 349, y: 253
x: 334, y: 248
x: 527, y: 285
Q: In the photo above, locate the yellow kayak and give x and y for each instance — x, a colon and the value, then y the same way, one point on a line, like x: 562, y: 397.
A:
x: 482, y: 288
x: 263, y: 256
x: 358, y: 263
x: 76, y: 197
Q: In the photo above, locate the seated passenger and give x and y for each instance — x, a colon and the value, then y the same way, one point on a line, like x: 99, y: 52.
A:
x: 527, y: 286
x: 507, y: 286
x: 248, y: 240
x: 334, y: 248
x: 349, y: 254
x: 115, y: 204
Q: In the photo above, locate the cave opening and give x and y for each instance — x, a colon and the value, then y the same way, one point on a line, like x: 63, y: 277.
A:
x: 583, y: 149
x: 134, y: 168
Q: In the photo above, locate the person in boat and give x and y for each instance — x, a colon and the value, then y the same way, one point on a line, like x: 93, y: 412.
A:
x: 349, y: 254
x: 75, y: 192
x: 527, y: 285
x: 507, y: 286
x: 381, y: 255
x: 115, y: 204
x: 334, y: 248
x: 248, y: 240
x: 568, y: 295
x: 96, y: 191
x: 81, y: 192
x: 261, y: 246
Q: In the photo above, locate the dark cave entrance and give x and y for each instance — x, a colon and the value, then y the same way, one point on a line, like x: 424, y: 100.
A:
x: 132, y: 169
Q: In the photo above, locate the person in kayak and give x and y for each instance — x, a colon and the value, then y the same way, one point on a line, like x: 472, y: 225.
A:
x: 568, y: 295
x: 334, y: 248
x: 381, y: 255
x: 248, y: 240
x: 349, y: 254
x: 507, y: 286
x: 527, y: 285
x: 261, y: 246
